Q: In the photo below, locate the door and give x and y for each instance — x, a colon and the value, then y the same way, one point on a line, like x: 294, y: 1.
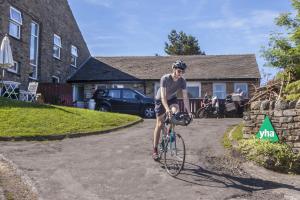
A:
x: 114, y: 98
x: 131, y: 102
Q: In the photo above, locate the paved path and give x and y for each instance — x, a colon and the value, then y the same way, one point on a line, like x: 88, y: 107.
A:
x: 119, y: 166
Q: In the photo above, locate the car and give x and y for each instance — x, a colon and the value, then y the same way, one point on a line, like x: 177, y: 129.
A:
x: 124, y: 100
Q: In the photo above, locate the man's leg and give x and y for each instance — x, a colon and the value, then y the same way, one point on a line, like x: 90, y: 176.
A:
x: 174, y: 108
x: 156, y: 135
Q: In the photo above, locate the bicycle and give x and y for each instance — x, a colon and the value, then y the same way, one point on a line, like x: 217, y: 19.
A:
x: 171, y: 144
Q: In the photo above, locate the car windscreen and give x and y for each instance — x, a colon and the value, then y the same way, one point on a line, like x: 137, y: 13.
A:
x: 140, y: 93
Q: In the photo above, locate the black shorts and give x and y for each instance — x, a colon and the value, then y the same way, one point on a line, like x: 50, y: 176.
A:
x: 159, y: 107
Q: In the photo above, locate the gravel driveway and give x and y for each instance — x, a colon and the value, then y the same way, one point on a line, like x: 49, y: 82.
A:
x: 118, y: 165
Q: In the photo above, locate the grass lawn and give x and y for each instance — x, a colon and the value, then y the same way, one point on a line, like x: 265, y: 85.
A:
x: 28, y: 119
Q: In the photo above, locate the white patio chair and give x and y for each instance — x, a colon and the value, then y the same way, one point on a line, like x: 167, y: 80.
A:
x: 30, y: 94
x: 9, y: 89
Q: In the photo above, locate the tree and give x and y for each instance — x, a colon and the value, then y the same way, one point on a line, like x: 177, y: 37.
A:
x: 182, y: 44
x: 284, y: 51
x: 284, y: 47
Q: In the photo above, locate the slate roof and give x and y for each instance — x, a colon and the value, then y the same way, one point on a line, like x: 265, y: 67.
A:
x: 200, y: 67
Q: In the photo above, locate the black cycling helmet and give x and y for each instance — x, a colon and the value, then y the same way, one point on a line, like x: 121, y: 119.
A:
x: 179, y: 64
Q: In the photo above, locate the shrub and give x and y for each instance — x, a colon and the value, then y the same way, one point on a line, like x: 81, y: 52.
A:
x: 275, y: 156
x: 293, y: 90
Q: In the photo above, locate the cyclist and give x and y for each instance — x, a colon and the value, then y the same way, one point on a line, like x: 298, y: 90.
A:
x: 166, y: 99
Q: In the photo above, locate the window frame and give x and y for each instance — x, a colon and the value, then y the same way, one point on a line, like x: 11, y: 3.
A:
x: 17, y: 68
x: 74, y: 56
x: 58, y: 46
x: 156, y: 88
x: 37, y: 43
x: 37, y: 51
x: 15, y: 22
x: 246, y: 93
x: 193, y: 84
x: 225, y: 91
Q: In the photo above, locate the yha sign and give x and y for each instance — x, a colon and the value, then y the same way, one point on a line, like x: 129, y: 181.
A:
x: 267, y: 132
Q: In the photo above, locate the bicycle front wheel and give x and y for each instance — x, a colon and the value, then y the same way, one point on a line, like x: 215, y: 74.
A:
x: 174, y: 155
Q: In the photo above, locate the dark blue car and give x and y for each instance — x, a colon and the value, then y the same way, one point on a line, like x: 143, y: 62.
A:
x: 124, y: 100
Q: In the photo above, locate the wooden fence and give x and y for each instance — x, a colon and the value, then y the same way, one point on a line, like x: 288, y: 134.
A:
x: 195, y: 104
x: 56, y: 93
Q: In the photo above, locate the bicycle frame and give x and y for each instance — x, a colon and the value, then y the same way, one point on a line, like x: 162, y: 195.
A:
x: 168, y: 138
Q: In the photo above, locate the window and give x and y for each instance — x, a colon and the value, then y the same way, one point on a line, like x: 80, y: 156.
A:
x: 115, y: 94
x: 15, y: 68
x: 117, y: 86
x: 219, y: 90
x: 128, y: 94
x: 34, y: 39
x: 15, y: 22
x: 56, y: 46
x: 156, y: 88
x: 194, y: 90
x: 55, y: 79
x: 243, y: 87
x: 78, y: 92
x: 74, y: 56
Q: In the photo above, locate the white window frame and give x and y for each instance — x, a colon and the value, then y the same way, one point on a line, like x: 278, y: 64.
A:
x: 193, y: 84
x: 75, y: 56
x: 14, y: 70
x: 156, y: 88
x: 56, y: 77
x: 214, y: 90
x: 37, y: 43
x: 242, y: 83
x: 34, y: 65
x: 57, y: 45
x: 15, y: 22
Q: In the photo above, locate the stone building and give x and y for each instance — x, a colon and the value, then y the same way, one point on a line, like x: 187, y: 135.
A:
x: 46, y: 42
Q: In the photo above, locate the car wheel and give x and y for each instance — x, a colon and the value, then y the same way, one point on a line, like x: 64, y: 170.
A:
x: 149, y: 112
x: 104, y: 108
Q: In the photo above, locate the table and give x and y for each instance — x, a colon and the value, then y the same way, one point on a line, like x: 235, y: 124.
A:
x: 10, y: 89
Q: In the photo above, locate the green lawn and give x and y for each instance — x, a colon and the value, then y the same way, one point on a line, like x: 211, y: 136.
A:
x: 28, y: 119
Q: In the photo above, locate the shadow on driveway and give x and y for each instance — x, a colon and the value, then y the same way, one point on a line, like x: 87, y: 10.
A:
x: 196, y: 175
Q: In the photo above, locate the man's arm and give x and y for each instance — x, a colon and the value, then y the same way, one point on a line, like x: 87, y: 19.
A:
x: 186, y: 101
x: 164, y: 101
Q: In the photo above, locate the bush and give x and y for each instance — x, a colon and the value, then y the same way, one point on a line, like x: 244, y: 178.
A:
x: 276, y: 156
x: 293, y: 91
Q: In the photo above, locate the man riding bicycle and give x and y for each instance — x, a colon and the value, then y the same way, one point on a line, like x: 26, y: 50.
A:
x: 166, y: 99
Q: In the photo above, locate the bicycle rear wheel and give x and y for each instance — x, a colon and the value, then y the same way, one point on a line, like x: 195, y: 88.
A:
x: 174, y: 155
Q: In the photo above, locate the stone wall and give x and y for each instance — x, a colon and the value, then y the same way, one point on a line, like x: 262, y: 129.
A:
x: 285, y: 117
x: 53, y: 17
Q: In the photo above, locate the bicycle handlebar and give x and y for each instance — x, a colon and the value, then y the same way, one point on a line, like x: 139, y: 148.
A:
x: 182, y: 119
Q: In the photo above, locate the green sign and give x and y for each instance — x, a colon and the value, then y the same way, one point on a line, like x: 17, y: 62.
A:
x: 267, y: 132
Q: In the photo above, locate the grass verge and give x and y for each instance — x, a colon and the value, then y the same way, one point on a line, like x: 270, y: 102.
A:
x: 28, y: 119
x: 275, y: 156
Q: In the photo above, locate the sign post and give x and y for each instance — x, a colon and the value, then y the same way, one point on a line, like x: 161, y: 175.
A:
x: 267, y: 131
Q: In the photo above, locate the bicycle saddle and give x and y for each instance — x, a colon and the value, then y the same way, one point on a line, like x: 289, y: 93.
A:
x: 180, y: 118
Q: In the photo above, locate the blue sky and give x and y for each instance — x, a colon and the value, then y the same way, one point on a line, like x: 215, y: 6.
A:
x: 140, y: 27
